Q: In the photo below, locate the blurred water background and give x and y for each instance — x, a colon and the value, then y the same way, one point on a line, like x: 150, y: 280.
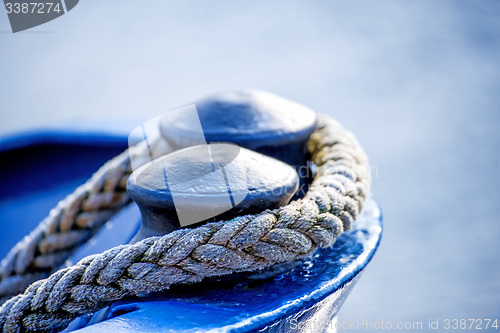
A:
x: 417, y: 81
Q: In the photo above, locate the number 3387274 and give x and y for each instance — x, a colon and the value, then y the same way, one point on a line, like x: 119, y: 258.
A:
x: 32, y: 7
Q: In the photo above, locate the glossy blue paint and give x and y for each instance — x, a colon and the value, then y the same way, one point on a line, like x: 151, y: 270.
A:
x: 43, y: 169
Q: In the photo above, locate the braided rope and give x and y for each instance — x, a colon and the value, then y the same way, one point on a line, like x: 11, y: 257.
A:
x: 246, y: 243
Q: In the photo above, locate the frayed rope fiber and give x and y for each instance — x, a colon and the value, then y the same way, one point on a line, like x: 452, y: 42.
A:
x: 244, y: 244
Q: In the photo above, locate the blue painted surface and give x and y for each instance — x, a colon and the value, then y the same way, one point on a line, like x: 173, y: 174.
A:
x: 307, y: 296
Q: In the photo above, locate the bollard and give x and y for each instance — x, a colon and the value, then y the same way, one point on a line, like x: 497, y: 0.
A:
x: 207, y: 183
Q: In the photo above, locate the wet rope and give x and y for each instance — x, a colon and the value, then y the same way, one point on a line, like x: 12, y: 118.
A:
x: 244, y: 244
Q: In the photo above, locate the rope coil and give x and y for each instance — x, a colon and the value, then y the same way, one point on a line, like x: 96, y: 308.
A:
x: 244, y: 244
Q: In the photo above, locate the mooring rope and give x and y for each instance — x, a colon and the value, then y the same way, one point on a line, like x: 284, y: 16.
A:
x: 244, y: 244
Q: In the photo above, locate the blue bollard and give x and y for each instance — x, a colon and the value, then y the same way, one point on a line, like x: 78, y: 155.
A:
x: 207, y: 183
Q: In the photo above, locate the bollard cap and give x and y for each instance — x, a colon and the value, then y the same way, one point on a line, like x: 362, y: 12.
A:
x: 208, y: 182
x: 249, y: 118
